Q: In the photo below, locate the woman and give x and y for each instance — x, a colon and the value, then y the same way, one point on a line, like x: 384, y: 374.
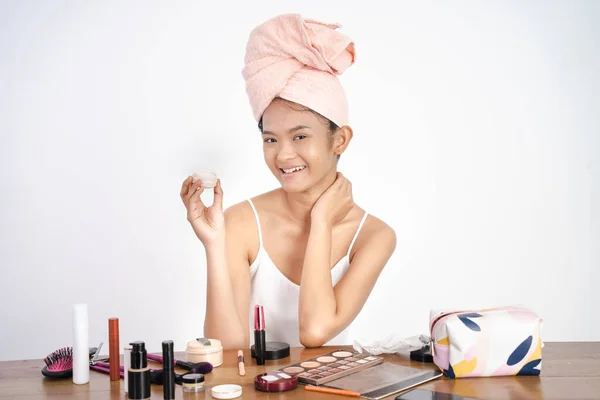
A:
x: 305, y: 251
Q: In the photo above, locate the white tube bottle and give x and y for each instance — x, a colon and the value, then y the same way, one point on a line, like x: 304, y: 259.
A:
x: 127, y: 364
x: 81, y: 352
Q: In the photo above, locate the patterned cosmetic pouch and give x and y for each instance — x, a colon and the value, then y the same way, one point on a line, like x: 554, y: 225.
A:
x: 489, y: 342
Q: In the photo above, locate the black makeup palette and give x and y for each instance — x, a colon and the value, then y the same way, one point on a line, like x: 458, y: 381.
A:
x: 330, y: 366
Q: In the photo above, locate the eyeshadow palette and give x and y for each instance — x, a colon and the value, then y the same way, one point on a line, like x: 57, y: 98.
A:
x: 330, y: 366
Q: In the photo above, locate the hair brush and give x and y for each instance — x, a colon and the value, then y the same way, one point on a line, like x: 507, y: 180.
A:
x: 59, y: 364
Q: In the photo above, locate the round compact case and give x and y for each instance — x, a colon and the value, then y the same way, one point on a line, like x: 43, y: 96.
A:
x: 226, y: 391
x: 209, y: 178
x: 203, y: 349
x: 275, y: 382
x: 274, y: 350
x: 192, y: 383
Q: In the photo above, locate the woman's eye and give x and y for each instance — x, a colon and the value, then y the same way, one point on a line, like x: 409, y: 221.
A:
x: 300, y: 136
x: 269, y: 140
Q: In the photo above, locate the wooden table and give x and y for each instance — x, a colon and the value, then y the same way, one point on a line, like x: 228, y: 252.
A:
x: 569, y: 371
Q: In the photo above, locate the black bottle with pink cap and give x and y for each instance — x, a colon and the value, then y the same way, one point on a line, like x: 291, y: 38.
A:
x: 269, y: 350
x: 260, y: 340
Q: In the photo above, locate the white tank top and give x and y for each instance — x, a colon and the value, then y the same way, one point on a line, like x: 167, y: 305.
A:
x: 279, y: 296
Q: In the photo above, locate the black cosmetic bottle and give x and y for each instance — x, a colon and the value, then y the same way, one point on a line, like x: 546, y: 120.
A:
x: 139, y: 373
x: 168, y: 371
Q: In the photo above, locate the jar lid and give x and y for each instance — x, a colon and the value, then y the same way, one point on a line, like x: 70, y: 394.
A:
x: 228, y: 391
x: 209, y: 178
x: 192, y: 378
x: 204, y: 346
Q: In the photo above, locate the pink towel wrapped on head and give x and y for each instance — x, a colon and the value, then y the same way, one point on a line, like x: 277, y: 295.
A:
x: 298, y: 60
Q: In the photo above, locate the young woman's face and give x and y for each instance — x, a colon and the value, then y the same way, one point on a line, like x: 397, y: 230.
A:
x: 297, y: 146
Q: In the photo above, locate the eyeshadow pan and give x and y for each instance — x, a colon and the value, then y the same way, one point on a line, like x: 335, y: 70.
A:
x: 310, y: 364
x: 342, y: 354
x: 371, y: 358
x: 317, y: 376
x: 335, y: 365
x: 326, y: 359
x: 353, y: 364
x: 351, y: 359
x: 335, y: 371
x: 326, y: 373
x: 324, y: 368
x: 304, y: 375
x: 314, y: 371
x: 293, y: 370
x: 362, y: 361
x: 342, y: 362
x: 344, y: 367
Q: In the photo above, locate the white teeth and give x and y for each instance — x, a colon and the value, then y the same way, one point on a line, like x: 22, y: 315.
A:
x: 290, y: 170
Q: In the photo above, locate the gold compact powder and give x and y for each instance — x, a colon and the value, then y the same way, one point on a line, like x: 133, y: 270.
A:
x: 192, y: 383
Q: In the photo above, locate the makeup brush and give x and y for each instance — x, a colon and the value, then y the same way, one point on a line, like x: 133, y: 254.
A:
x: 200, y: 368
x: 156, y: 375
x: 106, y: 370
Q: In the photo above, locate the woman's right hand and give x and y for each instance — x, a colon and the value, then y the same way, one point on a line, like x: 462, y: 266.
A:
x: 208, y: 222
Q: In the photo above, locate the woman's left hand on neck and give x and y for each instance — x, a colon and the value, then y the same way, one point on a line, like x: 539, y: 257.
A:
x: 334, y: 204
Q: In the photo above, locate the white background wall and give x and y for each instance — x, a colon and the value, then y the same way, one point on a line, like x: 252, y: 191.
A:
x: 475, y: 139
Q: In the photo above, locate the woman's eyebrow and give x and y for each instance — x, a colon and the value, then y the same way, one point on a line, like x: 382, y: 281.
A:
x: 291, y: 130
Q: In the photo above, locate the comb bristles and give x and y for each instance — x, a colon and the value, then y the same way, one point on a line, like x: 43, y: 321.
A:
x: 60, y: 360
x: 61, y: 365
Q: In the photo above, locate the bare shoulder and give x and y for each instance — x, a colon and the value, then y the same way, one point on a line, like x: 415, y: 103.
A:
x: 376, y: 235
x: 376, y: 226
x: 239, y: 213
x: 266, y: 201
x: 242, y: 215
x: 239, y: 228
x: 241, y: 225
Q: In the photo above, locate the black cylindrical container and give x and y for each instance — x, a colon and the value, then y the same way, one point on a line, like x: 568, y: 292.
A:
x: 139, y: 372
x: 260, y: 344
x: 169, y: 372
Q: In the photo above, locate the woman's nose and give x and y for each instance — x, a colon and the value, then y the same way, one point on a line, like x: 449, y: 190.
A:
x: 285, y: 152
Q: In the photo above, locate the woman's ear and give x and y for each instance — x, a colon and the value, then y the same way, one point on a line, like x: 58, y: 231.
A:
x: 342, y: 139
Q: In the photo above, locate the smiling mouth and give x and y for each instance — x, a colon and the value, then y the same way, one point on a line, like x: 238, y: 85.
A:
x: 288, y: 171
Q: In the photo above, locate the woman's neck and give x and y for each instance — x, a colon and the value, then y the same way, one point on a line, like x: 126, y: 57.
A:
x: 299, y: 205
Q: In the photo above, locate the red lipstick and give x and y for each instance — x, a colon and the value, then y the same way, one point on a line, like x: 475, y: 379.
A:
x: 260, y: 341
x: 259, y: 318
